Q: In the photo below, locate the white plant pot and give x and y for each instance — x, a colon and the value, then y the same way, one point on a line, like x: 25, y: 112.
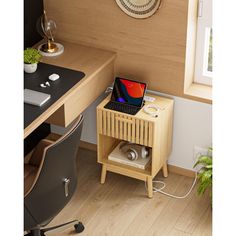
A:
x: 30, y: 68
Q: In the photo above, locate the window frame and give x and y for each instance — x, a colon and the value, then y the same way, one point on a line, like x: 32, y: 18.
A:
x: 204, y: 25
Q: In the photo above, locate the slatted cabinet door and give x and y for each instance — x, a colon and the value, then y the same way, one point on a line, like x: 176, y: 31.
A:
x: 124, y: 127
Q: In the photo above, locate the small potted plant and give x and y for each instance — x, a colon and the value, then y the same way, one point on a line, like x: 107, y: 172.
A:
x: 31, y: 59
x: 205, y: 173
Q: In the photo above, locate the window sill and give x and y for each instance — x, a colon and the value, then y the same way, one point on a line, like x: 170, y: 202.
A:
x: 199, y: 92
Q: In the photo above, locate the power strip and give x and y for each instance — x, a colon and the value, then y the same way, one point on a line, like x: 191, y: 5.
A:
x: 149, y: 99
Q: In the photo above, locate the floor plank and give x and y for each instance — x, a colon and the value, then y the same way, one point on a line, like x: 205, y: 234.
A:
x: 152, y: 209
x: 166, y: 221
x: 204, y: 227
x: 193, y: 213
x: 176, y: 232
x: 120, y: 207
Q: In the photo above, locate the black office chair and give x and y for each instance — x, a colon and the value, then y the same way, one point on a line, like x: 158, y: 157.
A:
x: 50, y: 179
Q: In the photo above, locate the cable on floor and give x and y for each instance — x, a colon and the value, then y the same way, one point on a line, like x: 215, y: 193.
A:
x: 159, y: 190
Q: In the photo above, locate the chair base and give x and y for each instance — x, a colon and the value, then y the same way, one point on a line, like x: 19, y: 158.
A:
x: 78, y: 226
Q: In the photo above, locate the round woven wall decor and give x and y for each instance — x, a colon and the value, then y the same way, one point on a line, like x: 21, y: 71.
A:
x: 139, y: 8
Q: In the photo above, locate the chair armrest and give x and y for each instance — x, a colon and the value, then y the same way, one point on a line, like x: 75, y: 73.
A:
x: 37, y: 155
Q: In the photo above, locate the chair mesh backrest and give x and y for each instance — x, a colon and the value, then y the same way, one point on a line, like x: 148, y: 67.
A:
x: 47, y: 198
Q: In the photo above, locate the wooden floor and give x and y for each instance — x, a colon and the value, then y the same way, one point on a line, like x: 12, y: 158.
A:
x: 120, y: 207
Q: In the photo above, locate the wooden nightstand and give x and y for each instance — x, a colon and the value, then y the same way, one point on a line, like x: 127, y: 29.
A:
x: 153, y: 132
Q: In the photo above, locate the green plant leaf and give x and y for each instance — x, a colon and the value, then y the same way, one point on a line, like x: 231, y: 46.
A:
x: 205, y: 173
x: 209, y: 166
x: 204, y: 160
x: 203, y: 186
x: 31, y: 56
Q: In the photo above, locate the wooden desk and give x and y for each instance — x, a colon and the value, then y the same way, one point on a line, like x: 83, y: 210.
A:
x: 97, y: 64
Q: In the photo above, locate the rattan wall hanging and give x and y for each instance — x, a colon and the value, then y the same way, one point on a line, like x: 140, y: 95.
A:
x: 139, y: 8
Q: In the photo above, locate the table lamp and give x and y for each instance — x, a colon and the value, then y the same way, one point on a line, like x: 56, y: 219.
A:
x: 47, y: 28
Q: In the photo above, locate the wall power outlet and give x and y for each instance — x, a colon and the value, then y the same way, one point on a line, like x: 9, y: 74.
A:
x: 197, y: 152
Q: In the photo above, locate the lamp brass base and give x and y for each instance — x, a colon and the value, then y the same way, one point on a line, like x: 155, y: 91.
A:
x: 51, y: 51
x: 49, y: 47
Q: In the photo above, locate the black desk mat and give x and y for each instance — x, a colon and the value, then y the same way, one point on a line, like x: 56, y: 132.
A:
x: 68, y: 78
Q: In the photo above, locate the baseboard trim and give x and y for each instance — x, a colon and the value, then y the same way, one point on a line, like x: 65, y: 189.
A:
x: 173, y: 169
x: 181, y: 171
x: 89, y: 146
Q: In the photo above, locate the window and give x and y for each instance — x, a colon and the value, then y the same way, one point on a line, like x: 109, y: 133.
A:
x: 203, y: 60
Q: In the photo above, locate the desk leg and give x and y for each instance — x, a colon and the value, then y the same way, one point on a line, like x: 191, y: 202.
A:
x: 104, y: 173
x: 150, y: 188
x: 165, y: 170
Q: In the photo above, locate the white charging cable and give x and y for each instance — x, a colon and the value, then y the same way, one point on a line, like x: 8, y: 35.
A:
x: 147, y: 109
x: 109, y: 89
x: 159, y: 190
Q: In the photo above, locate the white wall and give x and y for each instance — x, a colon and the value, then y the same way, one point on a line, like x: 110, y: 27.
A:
x: 192, y: 127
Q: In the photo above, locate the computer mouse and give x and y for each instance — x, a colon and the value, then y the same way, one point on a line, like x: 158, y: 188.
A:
x: 54, y: 77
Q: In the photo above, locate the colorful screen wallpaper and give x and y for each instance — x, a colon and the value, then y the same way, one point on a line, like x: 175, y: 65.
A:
x: 128, y: 91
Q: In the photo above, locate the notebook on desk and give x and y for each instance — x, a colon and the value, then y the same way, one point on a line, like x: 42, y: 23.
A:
x: 35, y: 98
